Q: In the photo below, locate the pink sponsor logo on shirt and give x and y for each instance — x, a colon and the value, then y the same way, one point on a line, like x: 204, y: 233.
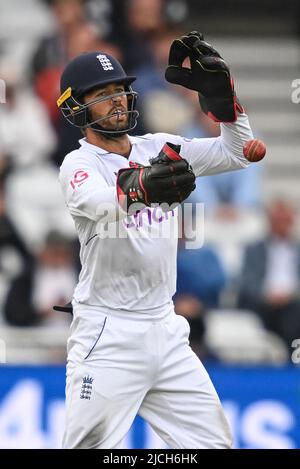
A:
x: 78, y: 178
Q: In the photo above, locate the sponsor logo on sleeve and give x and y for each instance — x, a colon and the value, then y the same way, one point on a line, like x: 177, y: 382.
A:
x: 78, y: 178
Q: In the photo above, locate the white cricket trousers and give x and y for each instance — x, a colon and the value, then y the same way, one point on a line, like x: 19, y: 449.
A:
x: 120, y: 367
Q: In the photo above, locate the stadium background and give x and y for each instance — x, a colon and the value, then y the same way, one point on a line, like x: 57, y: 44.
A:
x: 254, y: 368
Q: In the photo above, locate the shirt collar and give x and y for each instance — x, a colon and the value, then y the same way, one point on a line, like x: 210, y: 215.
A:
x: 83, y: 142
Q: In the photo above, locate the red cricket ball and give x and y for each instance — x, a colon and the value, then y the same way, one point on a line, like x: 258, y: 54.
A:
x: 254, y: 150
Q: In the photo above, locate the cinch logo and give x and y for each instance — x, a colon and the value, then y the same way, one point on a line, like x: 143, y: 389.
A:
x: 105, y: 62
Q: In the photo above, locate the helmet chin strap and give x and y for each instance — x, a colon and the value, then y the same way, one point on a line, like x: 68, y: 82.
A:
x: 111, y: 134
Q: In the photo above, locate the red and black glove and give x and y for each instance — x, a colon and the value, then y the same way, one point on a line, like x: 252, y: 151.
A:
x: 209, y: 75
x: 169, y: 180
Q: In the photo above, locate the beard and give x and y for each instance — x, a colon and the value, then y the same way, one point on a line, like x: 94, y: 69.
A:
x: 110, y: 128
x: 114, y: 122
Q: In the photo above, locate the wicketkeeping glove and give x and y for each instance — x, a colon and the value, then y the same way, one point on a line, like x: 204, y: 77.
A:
x: 169, y: 179
x: 209, y: 75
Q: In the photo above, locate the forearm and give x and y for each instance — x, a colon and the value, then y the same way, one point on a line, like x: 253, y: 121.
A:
x: 225, y: 153
x: 233, y: 138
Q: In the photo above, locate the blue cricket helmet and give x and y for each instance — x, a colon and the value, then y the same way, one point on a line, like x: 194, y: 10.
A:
x: 84, y: 73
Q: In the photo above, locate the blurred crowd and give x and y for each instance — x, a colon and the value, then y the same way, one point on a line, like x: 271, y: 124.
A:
x: 250, y: 260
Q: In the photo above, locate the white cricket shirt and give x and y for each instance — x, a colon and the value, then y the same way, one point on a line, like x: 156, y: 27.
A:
x: 129, y: 263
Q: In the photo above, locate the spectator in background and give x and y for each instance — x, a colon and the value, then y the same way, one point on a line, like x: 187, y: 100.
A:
x: 270, y: 278
x: 26, y: 136
x: 229, y: 194
x: 14, y: 254
x: 52, y: 51
x: 157, y: 98
x: 139, y: 22
x: 193, y: 310
x: 232, y: 204
x: 49, y: 281
x: 201, y: 274
x: 26, y: 143
x: 83, y: 40
x: 9, y: 236
x: 73, y: 34
x: 5, y: 167
x: 144, y: 19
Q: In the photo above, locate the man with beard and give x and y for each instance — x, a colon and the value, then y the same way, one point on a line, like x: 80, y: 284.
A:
x: 128, y: 352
